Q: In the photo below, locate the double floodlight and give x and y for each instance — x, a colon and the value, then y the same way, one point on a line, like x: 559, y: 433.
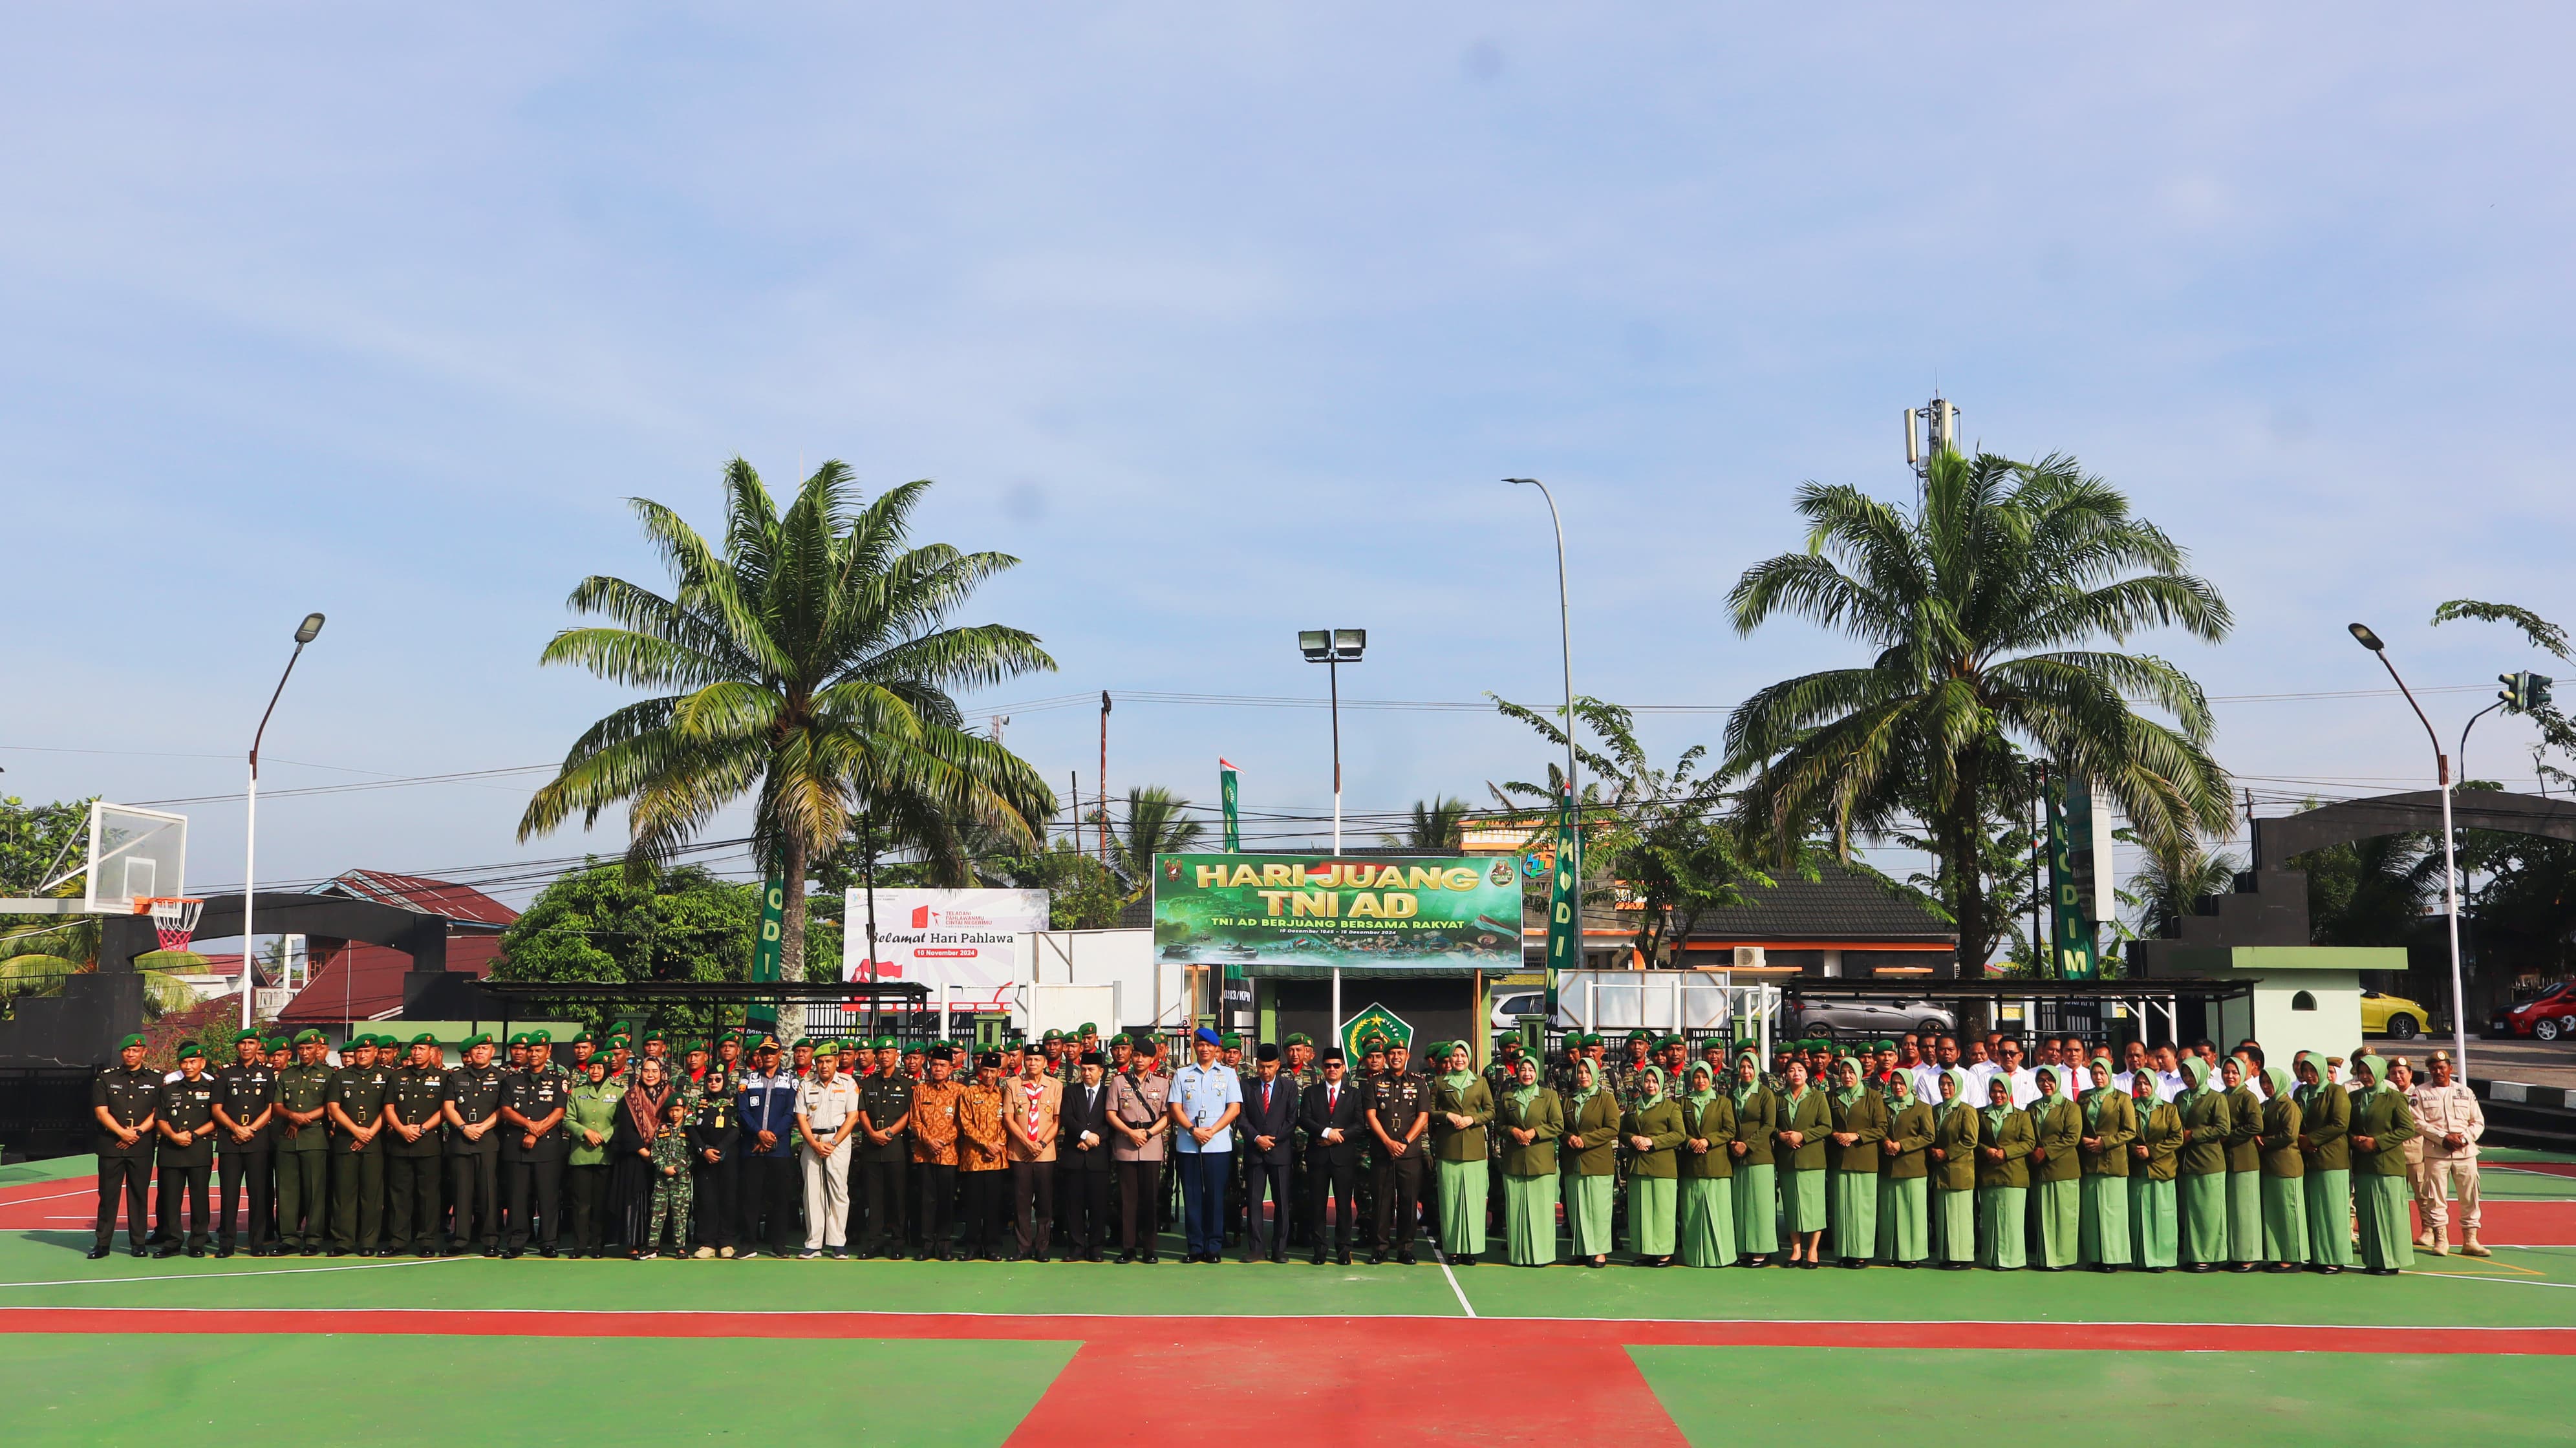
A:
x: 1332, y: 645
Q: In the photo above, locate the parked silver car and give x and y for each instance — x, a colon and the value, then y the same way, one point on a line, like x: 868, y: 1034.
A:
x: 1868, y: 1019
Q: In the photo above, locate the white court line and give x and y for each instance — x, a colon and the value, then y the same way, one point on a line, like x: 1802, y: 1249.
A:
x: 1463, y: 1304
x: 220, y: 1275
x: 2483, y: 1277
x: 55, y: 1196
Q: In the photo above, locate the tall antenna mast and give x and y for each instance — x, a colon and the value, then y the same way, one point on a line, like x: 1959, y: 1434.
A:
x: 1940, y: 419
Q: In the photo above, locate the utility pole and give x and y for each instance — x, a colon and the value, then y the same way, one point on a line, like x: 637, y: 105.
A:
x: 1104, y: 776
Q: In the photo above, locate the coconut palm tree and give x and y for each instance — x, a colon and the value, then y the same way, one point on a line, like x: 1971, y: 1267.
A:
x: 1155, y: 825
x: 1438, y: 826
x: 807, y: 665
x: 1983, y: 605
x: 2169, y: 886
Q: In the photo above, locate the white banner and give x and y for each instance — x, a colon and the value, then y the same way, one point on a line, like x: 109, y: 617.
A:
x: 976, y: 942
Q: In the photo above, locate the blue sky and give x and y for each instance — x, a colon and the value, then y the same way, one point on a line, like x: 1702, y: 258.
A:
x: 1227, y: 322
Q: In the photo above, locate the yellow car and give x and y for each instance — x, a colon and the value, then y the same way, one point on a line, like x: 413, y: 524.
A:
x: 2395, y: 1017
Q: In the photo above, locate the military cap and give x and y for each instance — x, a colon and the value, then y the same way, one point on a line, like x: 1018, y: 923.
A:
x: 1122, y: 1039
x: 1373, y: 1042
x: 1087, y: 1028
x: 1300, y: 1038
x: 129, y: 1041
x: 192, y: 1049
x: 585, y: 1038
x: 619, y: 1038
x: 541, y: 1038
x: 1641, y: 1037
x: 1052, y: 1035
x: 693, y: 1048
x: 276, y: 1043
x: 425, y: 1038
x: 479, y: 1038
x: 651, y: 1037
x: 241, y: 1036
x: 822, y: 1047
x: 308, y: 1034
x: 1232, y: 1042
x: 884, y: 1043
x: 1668, y: 1041
x: 1884, y: 1046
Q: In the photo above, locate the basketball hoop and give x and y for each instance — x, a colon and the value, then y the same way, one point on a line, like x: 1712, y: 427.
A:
x: 174, y: 918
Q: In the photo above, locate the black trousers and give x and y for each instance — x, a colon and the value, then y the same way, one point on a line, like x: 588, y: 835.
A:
x: 184, y: 1184
x: 303, y: 1198
x: 237, y: 1172
x: 1266, y: 1237
x: 937, y: 1220
x: 584, y: 1217
x: 1033, y: 1205
x: 1140, y: 1205
x: 884, y: 1181
x: 1399, y: 1186
x: 1340, y: 1184
x: 411, y: 1202
x: 470, y: 1186
x: 985, y: 1205
x: 536, y: 1182
x: 773, y: 1199
x: 126, y: 1175
x: 1082, y: 1208
x: 714, y: 1199
x: 357, y: 1198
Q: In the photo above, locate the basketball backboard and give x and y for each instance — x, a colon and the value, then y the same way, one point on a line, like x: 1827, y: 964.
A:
x: 134, y: 854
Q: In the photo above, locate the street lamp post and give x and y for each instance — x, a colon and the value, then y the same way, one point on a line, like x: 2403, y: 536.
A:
x: 1334, y: 647
x: 1565, y: 642
x: 2450, y: 868
x: 305, y: 633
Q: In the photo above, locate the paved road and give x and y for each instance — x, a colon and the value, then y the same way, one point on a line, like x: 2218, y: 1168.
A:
x: 2529, y: 1062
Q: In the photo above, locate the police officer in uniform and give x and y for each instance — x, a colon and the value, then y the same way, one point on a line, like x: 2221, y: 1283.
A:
x: 534, y: 1145
x: 1398, y: 1107
x: 415, y: 1133
x: 245, y: 1104
x: 471, y: 1102
x: 356, y: 1101
x: 303, y: 1149
x: 185, y: 1121
x: 124, y: 1098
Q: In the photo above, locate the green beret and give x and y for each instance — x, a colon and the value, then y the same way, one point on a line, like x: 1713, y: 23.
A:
x: 1884, y: 1046
x: 1086, y: 1029
x: 1669, y: 1041
x: 1051, y: 1036
x: 241, y: 1036
x: 820, y: 1047
x: 619, y: 1038
x: 129, y: 1041
x: 1641, y: 1037
x: 1300, y: 1038
x: 192, y: 1049
x: 479, y: 1038
x: 1232, y: 1042
x: 884, y: 1043
x: 656, y: 1037
x: 275, y: 1043
x: 585, y: 1039
x: 425, y: 1038
x: 308, y: 1034
x: 1372, y: 1042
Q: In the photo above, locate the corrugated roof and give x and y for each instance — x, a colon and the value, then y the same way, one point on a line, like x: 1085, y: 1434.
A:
x: 361, y: 982
x: 1839, y: 905
x: 461, y: 903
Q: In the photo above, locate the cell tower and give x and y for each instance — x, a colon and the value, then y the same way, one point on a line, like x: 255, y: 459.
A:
x: 1940, y: 418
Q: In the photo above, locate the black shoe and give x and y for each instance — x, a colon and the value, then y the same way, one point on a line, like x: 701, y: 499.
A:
x: 196, y: 1251
x: 490, y: 1251
x: 95, y: 1253
x: 509, y: 1254
x: 2241, y: 1267
x: 2202, y: 1267
x: 1377, y: 1259
x: 1343, y: 1257
x: 223, y: 1251
x: 1126, y: 1258
x: 137, y: 1252
x: 1909, y: 1266
x: 2380, y: 1271
x: 2282, y: 1267
x: 545, y: 1251
x: 312, y: 1249
x: 1149, y: 1259
x: 1466, y: 1261
x: 1811, y: 1264
x: 1404, y: 1258
x: 2330, y: 1270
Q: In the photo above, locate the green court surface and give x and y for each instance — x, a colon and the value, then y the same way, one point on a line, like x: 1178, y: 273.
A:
x: 314, y: 1390
x: 1719, y: 1395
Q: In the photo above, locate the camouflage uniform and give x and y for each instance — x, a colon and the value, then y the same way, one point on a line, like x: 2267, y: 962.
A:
x: 672, y: 1194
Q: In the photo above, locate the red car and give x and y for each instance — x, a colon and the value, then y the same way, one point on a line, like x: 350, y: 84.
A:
x: 2548, y: 1016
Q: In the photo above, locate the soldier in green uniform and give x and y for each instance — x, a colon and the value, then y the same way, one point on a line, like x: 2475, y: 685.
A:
x: 883, y: 1148
x: 1953, y: 1154
x: 184, y: 1118
x: 415, y: 1137
x: 356, y: 1099
x: 534, y: 1146
x: 1462, y: 1109
x: 123, y: 1099
x: 1396, y: 1105
x: 304, y: 1149
x: 245, y: 1101
x: 1798, y: 1153
x: 471, y: 1102
x: 2004, y: 1143
x: 2152, y: 1237
x: 1707, y: 1169
x: 1756, y: 1183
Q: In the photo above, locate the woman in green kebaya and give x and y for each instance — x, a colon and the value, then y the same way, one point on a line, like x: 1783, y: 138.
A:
x: 1806, y: 1121
x: 2285, y: 1202
x: 2151, y: 1175
x: 1653, y: 1130
x: 1860, y: 1124
x: 2325, y: 1124
x: 1462, y: 1107
x: 2110, y: 1124
x: 1757, y: 1197
x: 2200, y: 1168
x: 2056, y: 1178
x: 1904, y: 1177
x: 1531, y: 1120
x: 2382, y: 1124
x: 2003, y: 1176
x: 1591, y: 1159
x: 1954, y: 1174
x: 2244, y: 1168
x: 1707, y: 1172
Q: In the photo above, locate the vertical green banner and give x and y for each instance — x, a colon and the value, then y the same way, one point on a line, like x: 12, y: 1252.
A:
x: 1225, y: 790
x: 1564, y: 900
x: 767, y: 949
x: 2074, y: 936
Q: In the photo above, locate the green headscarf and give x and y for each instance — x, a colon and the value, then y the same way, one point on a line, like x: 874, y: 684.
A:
x: 1521, y: 1093
x: 1744, y: 1089
x: 1958, y: 1097
x: 1457, y: 1081
x: 2314, y: 1061
x: 1846, y: 1095
x: 2195, y: 1071
x: 1699, y: 1099
x: 2095, y: 1096
x: 1994, y: 1113
x: 1652, y: 1075
x: 1582, y: 1093
x: 2146, y: 1104
x: 2278, y: 1079
x: 2375, y: 1068
x: 1900, y: 1091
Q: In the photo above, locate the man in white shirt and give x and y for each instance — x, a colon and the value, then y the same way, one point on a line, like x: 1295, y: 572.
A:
x: 2169, y: 1077
x: 2448, y: 1115
x: 1944, y: 1053
x: 2025, y: 1082
x: 827, y: 1111
x: 2133, y: 1059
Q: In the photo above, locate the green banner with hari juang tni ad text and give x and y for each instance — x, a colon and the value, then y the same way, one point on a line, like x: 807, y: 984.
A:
x: 1239, y: 909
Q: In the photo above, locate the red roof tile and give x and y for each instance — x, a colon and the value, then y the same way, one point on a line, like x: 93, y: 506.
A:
x: 361, y: 982
x: 461, y: 903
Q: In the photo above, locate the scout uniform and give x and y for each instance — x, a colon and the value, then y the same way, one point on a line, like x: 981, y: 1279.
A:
x: 129, y: 1095
x: 246, y: 1093
x: 473, y: 1095
x: 303, y: 1155
x: 358, y: 1162
x: 412, y: 1167
x: 186, y: 1108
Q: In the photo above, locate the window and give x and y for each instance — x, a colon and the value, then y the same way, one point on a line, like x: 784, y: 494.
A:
x: 2303, y: 1002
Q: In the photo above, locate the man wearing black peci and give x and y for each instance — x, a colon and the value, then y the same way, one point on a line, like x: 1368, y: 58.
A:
x: 1330, y: 1111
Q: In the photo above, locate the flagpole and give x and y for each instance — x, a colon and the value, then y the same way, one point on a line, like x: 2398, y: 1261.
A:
x: 1573, y: 798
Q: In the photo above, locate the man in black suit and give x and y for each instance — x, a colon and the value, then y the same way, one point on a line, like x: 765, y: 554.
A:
x: 1268, y: 1130
x: 1082, y: 1162
x: 1331, y: 1114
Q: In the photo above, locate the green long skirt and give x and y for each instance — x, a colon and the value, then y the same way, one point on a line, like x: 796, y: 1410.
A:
x: 1462, y: 1208
x: 2104, y: 1239
x: 1855, y: 1213
x: 1954, y: 1226
x: 1529, y: 1219
x: 2060, y: 1206
x: 2285, y: 1219
x: 1652, y: 1215
x: 2244, y: 1216
x: 1802, y: 1199
x: 2387, y: 1227
x: 2329, y: 1204
x: 2152, y: 1222
x: 1708, y: 1222
x: 2000, y: 1211
x: 1904, y: 1213
x: 1757, y: 1210
x: 2203, y: 1199
x: 1587, y: 1213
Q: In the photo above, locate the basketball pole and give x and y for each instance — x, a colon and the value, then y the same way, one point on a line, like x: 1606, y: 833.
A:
x: 305, y: 633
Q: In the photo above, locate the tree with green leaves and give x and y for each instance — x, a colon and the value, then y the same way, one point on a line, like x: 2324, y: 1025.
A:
x: 1438, y: 827
x: 1982, y: 606
x: 1158, y: 823
x: 808, y: 664
x: 608, y: 923
x: 2175, y: 875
